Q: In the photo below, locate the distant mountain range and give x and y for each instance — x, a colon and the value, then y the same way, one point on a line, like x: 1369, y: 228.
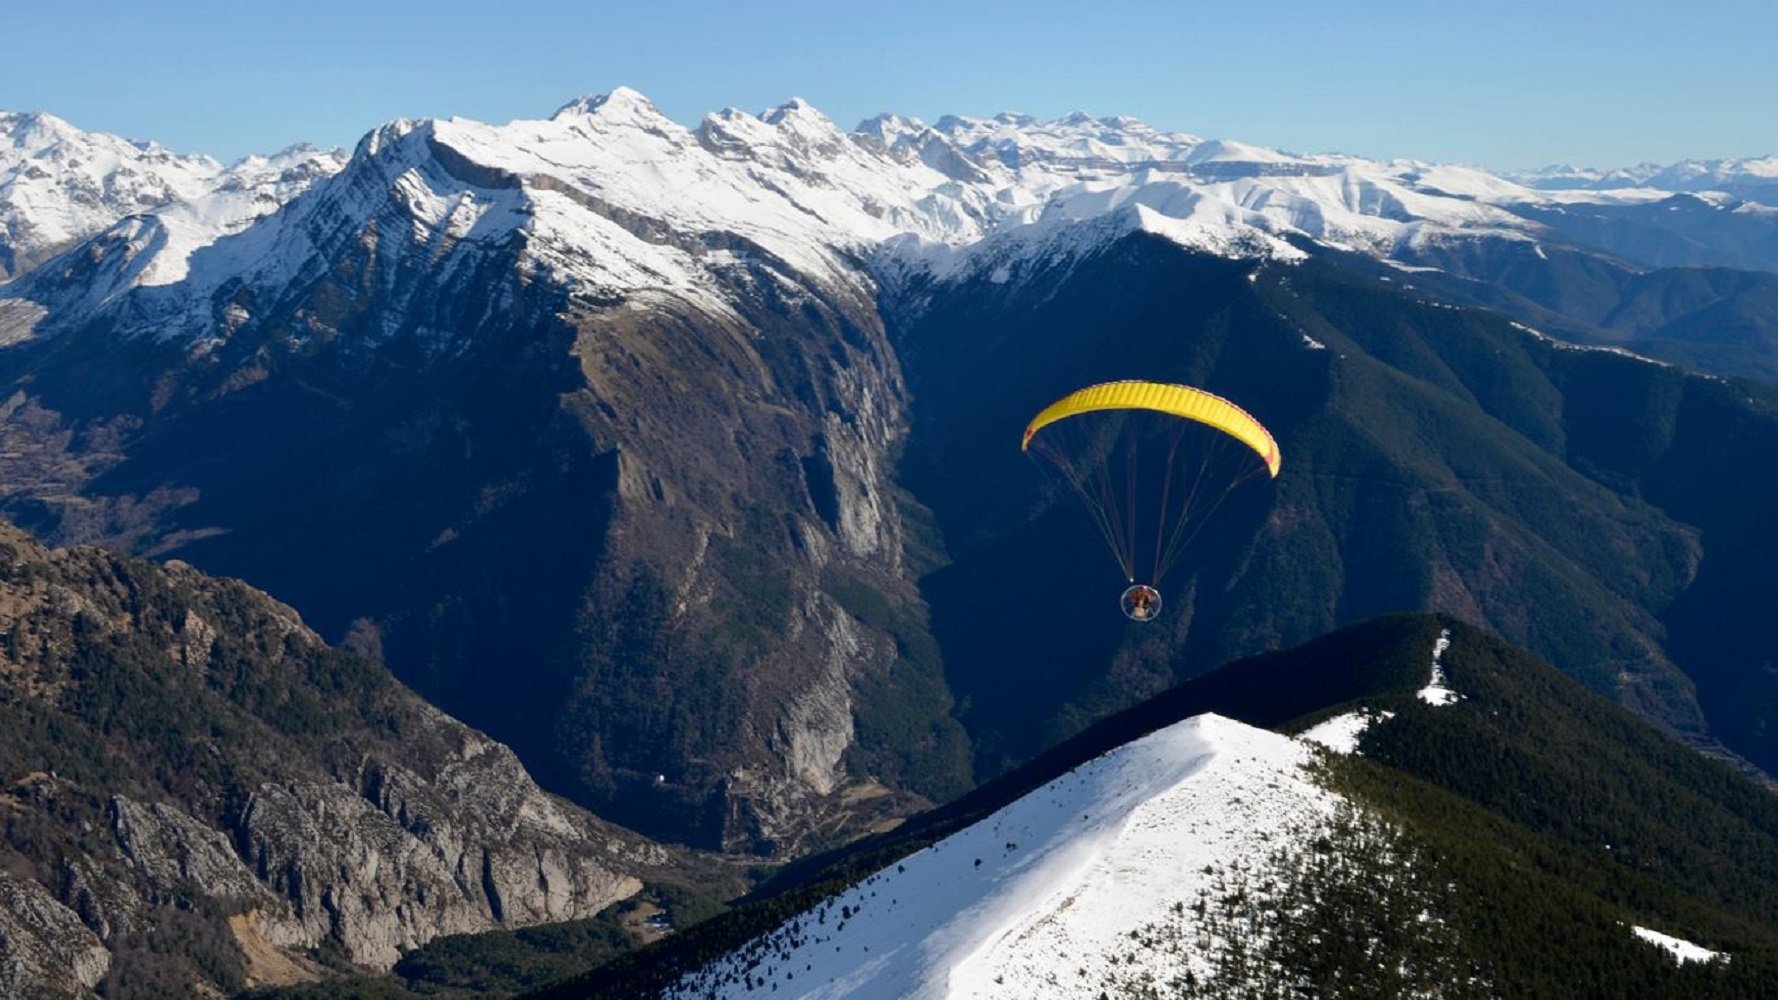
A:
x: 1749, y: 177
x: 684, y: 461
x: 60, y: 185
x: 791, y: 180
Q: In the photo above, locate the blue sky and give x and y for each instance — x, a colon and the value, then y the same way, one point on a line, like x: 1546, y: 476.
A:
x: 1503, y: 84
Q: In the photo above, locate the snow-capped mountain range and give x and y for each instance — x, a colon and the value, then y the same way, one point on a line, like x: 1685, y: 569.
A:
x: 1750, y: 174
x: 59, y: 185
x: 616, y: 199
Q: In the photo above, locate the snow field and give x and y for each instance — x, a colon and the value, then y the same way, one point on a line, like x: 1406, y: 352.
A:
x: 1683, y: 951
x: 1340, y: 733
x: 1037, y: 897
x: 1435, y: 692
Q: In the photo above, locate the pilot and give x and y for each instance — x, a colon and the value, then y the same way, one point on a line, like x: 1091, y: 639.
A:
x: 1141, y: 603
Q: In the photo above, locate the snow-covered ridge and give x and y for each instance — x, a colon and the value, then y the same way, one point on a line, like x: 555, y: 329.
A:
x: 1341, y: 733
x: 1037, y: 897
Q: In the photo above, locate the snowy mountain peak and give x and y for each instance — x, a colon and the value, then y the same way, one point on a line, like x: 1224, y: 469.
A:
x: 1222, y: 150
x: 286, y: 172
x: 620, y: 104
x: 891, y: 128
x: 24, y: 129
x: 1018, y: 140
x: 794, y: 108
x: 292, y: 154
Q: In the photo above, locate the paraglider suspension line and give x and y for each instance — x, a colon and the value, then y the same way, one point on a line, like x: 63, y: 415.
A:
x: 1130, y: 502
x: 1160, y: 527
x: 1100, y: 508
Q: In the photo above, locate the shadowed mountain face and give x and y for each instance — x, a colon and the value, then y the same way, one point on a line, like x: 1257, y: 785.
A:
x: 607, y: 535
x: 1433, y: 457
x: 672, y: 557
x: 1705, y: 317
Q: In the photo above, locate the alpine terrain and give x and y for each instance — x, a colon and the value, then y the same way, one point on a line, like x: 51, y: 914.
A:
x: 684, y: 462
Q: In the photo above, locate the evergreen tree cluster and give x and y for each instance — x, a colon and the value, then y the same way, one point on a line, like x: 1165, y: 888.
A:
x: 1358, y: 913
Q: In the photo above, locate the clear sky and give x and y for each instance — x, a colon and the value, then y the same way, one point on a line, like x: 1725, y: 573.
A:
x: 1503, y: 84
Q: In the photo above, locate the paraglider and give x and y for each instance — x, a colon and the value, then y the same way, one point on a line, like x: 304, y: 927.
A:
x: 1151, y: 461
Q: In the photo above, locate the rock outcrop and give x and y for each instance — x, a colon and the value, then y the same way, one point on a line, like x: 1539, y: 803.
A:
x: 185, y: 761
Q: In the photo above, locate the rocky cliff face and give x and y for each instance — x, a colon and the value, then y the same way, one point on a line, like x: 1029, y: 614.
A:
x: 200, y: 794
x: 47, y: 950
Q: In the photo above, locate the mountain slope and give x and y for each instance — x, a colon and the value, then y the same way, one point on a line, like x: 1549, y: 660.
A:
x: 708, y: 451
x: 200, y: 793
x: 1532, y: 747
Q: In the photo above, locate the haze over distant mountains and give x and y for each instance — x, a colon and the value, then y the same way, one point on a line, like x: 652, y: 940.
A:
x: 1747, y: 176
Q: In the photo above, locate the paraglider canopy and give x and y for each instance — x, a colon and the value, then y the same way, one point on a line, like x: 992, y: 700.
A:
x: 1151, y: 461
x: 1175, y: 400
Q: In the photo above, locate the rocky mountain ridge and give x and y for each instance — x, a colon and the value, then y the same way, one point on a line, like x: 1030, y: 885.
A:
x: 201, y: 795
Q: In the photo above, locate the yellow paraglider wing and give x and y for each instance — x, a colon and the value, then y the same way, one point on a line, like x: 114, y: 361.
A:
x: 1178, y: 400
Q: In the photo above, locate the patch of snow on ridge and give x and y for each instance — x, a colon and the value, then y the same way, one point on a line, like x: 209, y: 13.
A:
x: 1435, y: 692
x: 1217, y: 233
x: 1340, y: 733
x: 1015, y: 905
x: 1683, y: 951
x: 1569, y: 345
